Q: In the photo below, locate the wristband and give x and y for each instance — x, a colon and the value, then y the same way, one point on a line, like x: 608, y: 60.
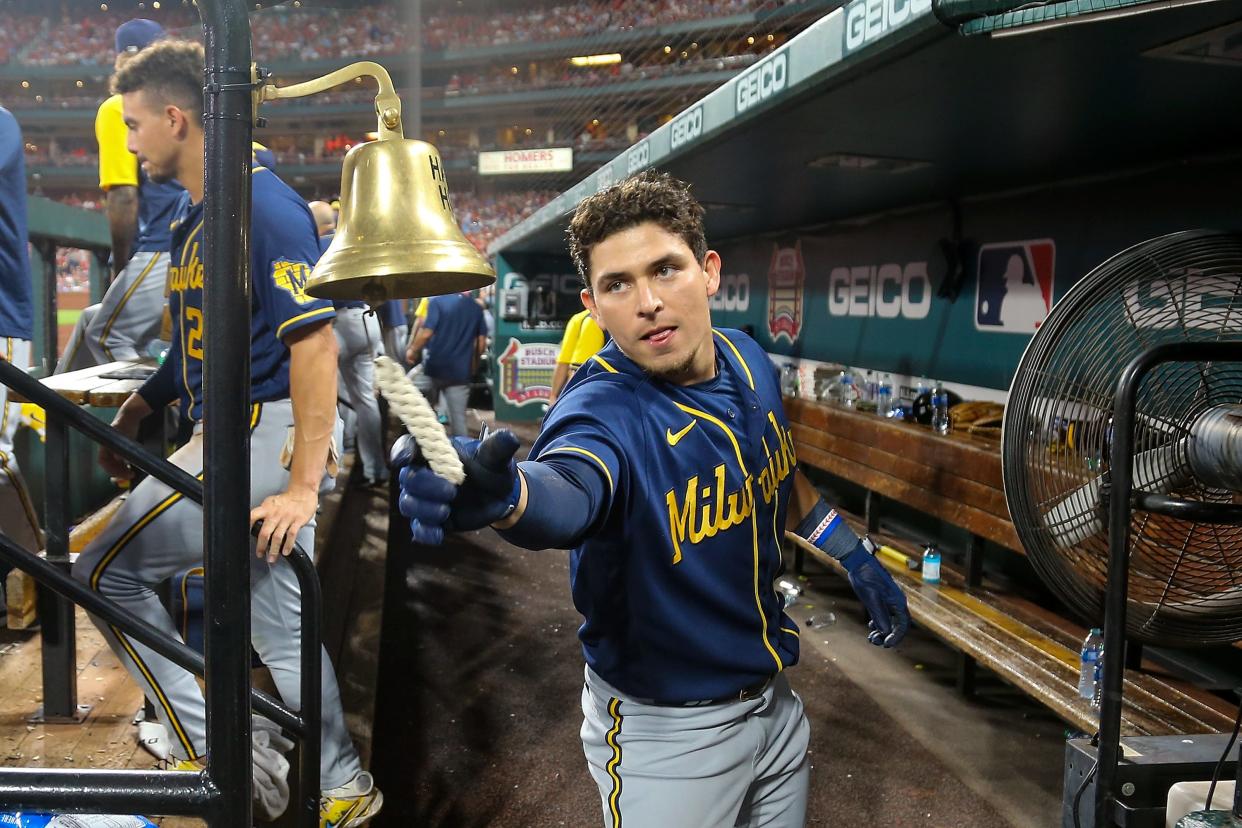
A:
x: 824, y: 528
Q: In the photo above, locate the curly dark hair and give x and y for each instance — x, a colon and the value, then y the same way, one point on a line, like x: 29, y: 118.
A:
x: 647, y: 196
x: 170, y: 70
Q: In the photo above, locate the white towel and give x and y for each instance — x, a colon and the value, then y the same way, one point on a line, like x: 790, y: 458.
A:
x: 269, y: 769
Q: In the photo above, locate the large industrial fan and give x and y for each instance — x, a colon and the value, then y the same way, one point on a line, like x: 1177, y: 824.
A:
x: 1085, y: 454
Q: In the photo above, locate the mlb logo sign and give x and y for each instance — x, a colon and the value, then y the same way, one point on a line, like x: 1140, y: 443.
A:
x: 1014, y: 290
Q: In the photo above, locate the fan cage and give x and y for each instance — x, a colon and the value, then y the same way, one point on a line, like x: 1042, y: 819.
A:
x: 1185, y: 577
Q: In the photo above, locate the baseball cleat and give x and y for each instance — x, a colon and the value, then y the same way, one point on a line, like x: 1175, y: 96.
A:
x: 352, y: 805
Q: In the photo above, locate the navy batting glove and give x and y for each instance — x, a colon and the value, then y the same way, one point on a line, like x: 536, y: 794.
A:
x: 491, y: 488
x: 404, y: 452
x: 879, y: 593
x: 434, y: 505
x: 426, y: 500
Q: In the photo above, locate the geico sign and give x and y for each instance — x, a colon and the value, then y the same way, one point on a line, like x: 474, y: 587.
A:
x: 888, y: 291
x: 686, y: 127
x: 734, y: 293
x: 765, y: 79
x: 603, y: 179
x: 638, y: 157
x: 865, y: 20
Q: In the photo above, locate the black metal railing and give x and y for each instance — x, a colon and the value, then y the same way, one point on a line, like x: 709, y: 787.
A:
x: 221, y: 793
x: 1123, y: 499
x: 17, y: 788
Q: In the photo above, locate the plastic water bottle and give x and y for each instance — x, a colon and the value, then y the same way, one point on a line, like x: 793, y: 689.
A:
x: 867, y: 390
x: 849, y: 395
x: 931, y: 564
x: 940, y: 409
x: 833, y: 393
x: 884, y: 396
x: 920, y: 387
x: 789, y: 592
x: 1089, y: 664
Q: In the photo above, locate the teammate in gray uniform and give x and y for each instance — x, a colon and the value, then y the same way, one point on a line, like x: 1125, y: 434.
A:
x: 358, y: 337
x: 668, y: 467
x: 127, y: 321
x: 157, y: 532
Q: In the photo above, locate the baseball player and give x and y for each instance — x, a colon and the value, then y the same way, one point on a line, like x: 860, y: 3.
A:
x: 358, y: 338
x: 157, y: 532
x: 139, y: 212
x: 668, y: 468
x: 582, y: 338
x: 17, y: 515
x: 396, y: 329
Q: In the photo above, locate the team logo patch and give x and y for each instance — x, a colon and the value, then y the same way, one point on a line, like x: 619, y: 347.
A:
x: 292, y: 277
x: 1014, y: 292
x: 786, y: 276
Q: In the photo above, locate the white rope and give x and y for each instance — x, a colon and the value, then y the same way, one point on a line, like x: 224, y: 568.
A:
x: 419, y: 419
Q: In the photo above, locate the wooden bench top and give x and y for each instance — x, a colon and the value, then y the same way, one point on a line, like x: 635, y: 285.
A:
x: 1037, y: 651
x: 95, y: 385
x: 954, y: 477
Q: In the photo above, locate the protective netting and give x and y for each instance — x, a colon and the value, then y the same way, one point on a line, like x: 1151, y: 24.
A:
x: 1185, y: 578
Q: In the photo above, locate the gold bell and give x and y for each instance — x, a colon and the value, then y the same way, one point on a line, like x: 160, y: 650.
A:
x: 396, y: 237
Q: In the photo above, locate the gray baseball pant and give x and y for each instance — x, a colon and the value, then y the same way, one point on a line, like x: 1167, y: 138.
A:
x: 358, y: 335
x: 126, y: 321
x: 739, y: 763
x: 158, y: 533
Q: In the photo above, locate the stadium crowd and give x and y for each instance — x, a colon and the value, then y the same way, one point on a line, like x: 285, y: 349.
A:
x: 69, y: 37
x: 483, y: 218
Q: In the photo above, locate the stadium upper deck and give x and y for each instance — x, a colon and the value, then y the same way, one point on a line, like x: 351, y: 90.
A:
x: 493, y: 76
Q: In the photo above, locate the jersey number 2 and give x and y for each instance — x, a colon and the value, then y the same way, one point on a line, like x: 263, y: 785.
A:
x: 194, y: 340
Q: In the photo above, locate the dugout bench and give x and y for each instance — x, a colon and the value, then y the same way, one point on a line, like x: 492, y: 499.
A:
x: 957, y: 479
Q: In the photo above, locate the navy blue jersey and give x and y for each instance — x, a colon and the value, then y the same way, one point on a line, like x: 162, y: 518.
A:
x: 392, y: 313
x: 283, y: 248
x: 675, y: 576
x: 456, y: 322
x: 157, y: 207
x: 16, y: 308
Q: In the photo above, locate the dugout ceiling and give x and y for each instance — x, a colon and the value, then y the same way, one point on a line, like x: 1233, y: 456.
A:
x: 874, y: 109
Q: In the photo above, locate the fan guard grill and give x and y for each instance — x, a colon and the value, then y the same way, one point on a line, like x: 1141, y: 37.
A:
x: 1185, y: 577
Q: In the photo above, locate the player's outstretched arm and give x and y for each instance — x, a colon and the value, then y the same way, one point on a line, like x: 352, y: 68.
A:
x: 534, y: 504
x: 312, y: 389
x: 821, y: 525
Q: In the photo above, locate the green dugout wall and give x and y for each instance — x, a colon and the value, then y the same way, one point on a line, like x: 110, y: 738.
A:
x: 937, y: 291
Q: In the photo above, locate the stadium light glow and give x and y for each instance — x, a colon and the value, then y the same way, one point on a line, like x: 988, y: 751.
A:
x: 596, y: 60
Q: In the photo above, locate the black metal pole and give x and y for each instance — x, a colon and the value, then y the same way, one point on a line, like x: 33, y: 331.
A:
x: 1121, y: 482
x: 227, y: 113
x: 51, y: 328
x: 65, y: 790
x: 312, y: 685
x: 56, y: 615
